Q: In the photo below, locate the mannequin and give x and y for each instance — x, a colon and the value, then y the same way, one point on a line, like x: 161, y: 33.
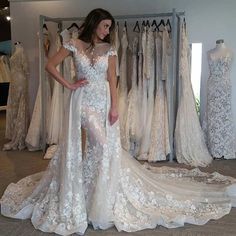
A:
x: 218, y: 121
x: 221, y: 50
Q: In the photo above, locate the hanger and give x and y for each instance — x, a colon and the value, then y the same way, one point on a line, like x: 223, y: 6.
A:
x: 184, y: 23
x: 162, y: 23
x: 168, y: 24
x: 136, y: 26
x: 73, y: 25
x: 45, y: 26
x: 146, y: 23
x: 154, y: 24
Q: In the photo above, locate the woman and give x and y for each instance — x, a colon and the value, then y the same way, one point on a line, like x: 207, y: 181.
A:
x: 108, y: 187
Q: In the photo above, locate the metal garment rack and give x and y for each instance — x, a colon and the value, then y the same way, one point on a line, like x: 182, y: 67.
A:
x: 172, y: 88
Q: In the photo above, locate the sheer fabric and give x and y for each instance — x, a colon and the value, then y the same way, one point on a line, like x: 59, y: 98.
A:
x: 109, y: 187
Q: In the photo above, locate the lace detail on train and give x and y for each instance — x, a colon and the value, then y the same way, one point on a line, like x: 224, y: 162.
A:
x: 107, y: 186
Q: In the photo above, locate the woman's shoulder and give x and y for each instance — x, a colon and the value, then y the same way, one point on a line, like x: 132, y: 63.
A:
x: 70, y: 45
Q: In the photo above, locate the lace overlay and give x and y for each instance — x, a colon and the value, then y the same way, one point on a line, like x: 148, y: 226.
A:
x: 218, y: 123
x: 107, y: 186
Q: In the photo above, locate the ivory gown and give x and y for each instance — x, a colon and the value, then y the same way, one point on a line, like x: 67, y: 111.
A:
x: 107, y: 186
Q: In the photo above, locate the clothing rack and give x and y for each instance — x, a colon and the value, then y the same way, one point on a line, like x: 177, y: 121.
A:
x: 172, y: 88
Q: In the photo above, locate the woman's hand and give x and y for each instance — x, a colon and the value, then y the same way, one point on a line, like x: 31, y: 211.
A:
x: 113, y: 115
x: 77, y: 84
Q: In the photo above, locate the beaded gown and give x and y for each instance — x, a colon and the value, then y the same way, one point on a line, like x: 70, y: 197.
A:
x: 107, y: 186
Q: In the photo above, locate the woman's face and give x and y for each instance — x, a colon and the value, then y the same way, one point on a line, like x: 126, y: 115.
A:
x: 102, y: 30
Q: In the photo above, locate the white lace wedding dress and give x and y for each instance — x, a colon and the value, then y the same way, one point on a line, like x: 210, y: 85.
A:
x: 108, y: 187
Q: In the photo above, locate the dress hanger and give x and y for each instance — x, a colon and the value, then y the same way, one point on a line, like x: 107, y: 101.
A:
x: 73, y: 25
x: 184, y: 23
x: 154, y: 25
x: 45, y: 27
x: 169, y: 25
x: 146, y: 23
x: 136, y: 27
x: 162, y: 23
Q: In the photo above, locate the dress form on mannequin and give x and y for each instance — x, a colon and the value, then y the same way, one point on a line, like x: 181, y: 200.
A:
x: 218, y: 121
x: 221, y: 50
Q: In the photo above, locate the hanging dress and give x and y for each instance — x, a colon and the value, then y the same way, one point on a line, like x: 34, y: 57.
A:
x: 17, y: 114
x: 122, y: 88
x: 133, y: 106
x: 148, y: 93
x: 34, y: 138
x: 189, y: 139
x: 160, y: 145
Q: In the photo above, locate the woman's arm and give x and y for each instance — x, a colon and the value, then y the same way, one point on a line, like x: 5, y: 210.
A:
x: 113, y: 113
x: 54, y: 61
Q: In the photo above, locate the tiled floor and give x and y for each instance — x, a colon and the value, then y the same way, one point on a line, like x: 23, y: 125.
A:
x: 14, y: 165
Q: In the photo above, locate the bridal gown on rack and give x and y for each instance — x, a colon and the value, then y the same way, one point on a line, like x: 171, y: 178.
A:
x: 132, y: 108
x: 34, y: 138
x: 109, y: 187
x: 17, y: 116
x: 160, y: 145
x: 148, y: 91
x: 123, y: 88
x: 189, y: 139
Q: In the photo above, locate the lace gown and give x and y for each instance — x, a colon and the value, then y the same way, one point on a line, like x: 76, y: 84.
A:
x: 218, y: 123
x: 17, y: 116
x: 109, y: 187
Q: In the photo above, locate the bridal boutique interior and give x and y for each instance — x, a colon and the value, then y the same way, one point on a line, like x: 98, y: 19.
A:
x: 203, y: 26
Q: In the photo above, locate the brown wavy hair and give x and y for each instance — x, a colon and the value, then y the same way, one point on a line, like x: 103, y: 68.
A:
x: 91, y: 23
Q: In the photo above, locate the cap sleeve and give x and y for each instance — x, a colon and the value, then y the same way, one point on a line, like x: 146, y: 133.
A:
x: 70, y: 45
x: 112, y: 52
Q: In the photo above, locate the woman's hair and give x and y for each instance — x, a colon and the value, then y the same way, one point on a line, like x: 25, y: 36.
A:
x: 91, y: 23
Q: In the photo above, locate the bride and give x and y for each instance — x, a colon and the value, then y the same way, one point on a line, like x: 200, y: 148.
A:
x: 107, y: 187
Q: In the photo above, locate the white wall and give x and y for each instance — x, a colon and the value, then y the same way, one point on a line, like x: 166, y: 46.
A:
x: 207, y: 20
